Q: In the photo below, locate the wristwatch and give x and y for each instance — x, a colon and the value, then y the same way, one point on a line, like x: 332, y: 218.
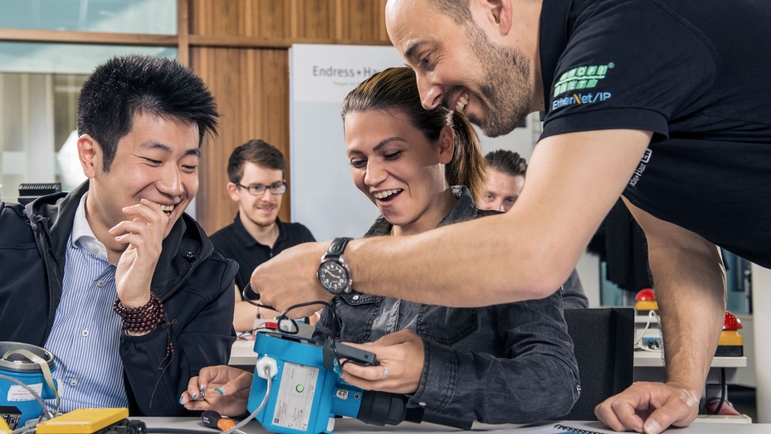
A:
x: 334, y: 274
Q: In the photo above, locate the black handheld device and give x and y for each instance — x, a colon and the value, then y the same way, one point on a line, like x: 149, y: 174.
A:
x: 330, y: 350
x: 343, y: 351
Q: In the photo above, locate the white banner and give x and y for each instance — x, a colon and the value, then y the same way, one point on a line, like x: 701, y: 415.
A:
x: 323, y: 195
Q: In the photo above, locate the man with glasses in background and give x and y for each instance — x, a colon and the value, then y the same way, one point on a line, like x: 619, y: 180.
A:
x: 256, y: 171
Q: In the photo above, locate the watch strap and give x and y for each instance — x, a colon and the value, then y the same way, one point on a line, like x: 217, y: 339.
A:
x: 337, y: 248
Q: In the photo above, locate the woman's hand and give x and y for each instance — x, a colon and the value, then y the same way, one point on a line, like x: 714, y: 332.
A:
x: 220, y: 388
x: 401, y: 360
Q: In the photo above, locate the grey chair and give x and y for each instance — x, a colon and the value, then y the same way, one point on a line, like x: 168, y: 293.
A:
x: 603, y: 340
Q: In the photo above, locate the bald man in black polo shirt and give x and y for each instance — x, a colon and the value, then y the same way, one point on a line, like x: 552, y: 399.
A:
x: 256, y: 171
x: 665, y: 102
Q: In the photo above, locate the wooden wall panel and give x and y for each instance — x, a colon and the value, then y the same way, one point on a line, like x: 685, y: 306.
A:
x: 362, y: 19
x: 313, y: 19
x: 252, y: 91
x: 252, y: 84
x: 256, y: 18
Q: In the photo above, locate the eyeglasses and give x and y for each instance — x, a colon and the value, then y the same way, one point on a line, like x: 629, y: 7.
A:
x: 258, y: 190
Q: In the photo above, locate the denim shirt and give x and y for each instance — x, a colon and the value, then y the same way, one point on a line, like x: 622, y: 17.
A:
x: 509, y: 363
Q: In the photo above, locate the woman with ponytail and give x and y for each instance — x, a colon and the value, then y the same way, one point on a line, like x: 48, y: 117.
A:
x: 510, y: 363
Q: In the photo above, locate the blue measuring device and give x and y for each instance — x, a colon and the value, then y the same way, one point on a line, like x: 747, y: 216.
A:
x: 306, y: 394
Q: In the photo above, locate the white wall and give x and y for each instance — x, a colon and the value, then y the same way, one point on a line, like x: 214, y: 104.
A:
x: 26, y: 131
x: 521, y: 140
x: 746, y: 376
x: 323, y: 195
x: 588, y: 269
x: 761, y: 309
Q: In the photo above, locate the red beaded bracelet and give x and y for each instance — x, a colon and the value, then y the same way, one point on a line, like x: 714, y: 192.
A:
x: 141, y: 319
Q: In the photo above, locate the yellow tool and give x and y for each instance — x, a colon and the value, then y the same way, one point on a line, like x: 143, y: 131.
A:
x: 4, y: 427
x: 83, y: 421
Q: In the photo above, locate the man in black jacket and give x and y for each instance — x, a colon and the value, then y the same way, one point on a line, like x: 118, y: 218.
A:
x: 122, y: 287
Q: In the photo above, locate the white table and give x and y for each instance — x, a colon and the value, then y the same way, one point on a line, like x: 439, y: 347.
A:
x: 352, y: 425
x: 242, y: 354
x: 648, y: 366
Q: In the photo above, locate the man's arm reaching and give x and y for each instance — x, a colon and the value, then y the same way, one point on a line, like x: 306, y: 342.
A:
x: 690, y: 290
x: 573, y: 180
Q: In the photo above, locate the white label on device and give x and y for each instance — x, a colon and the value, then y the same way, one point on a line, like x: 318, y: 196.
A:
x: 295, y: 396
x: 18, y: 393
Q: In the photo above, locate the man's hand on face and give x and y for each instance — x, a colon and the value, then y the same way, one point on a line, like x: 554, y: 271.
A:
x: 290, y: 278
x: 649, y: 407
x: 144, y: 235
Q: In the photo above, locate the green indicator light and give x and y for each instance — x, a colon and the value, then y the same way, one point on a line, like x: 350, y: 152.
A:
x: 299, y: 388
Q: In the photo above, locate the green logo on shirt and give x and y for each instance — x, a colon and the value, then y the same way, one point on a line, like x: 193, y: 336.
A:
x: 582, y: 77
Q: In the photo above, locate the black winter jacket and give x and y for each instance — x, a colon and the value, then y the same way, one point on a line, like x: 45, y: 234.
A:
x: 194, y: 283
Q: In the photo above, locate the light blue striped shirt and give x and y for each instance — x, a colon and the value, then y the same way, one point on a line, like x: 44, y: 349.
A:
x: 86, y: 332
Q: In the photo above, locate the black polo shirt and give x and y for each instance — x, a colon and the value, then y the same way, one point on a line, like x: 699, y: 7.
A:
x: 235, y: 242
x: 695, y: 73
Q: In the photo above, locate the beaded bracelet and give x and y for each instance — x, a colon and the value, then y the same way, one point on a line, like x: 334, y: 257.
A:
x: 141, y: 319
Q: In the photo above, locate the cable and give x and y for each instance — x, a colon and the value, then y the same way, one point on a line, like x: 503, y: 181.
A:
x: 175, y: 431
x: 44, y: 369
x: 652, y: 315
x: 245, y: 335
x: 722, y: 391
x: 335, y: 324
x: 283, y: 316
x: 279, y: 320
x: 30, y: 390
x: 24, y: 429
x: 258, y: 409
x: 180, y: 431
x: 27, y: 428
x: 248, y: 288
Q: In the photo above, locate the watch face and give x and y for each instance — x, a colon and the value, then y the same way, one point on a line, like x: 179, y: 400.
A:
x: 333, y: 276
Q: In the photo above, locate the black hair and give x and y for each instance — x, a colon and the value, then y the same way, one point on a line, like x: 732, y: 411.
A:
x: 507, y: 162
x: 124, y: 86
x: 258, y: 152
